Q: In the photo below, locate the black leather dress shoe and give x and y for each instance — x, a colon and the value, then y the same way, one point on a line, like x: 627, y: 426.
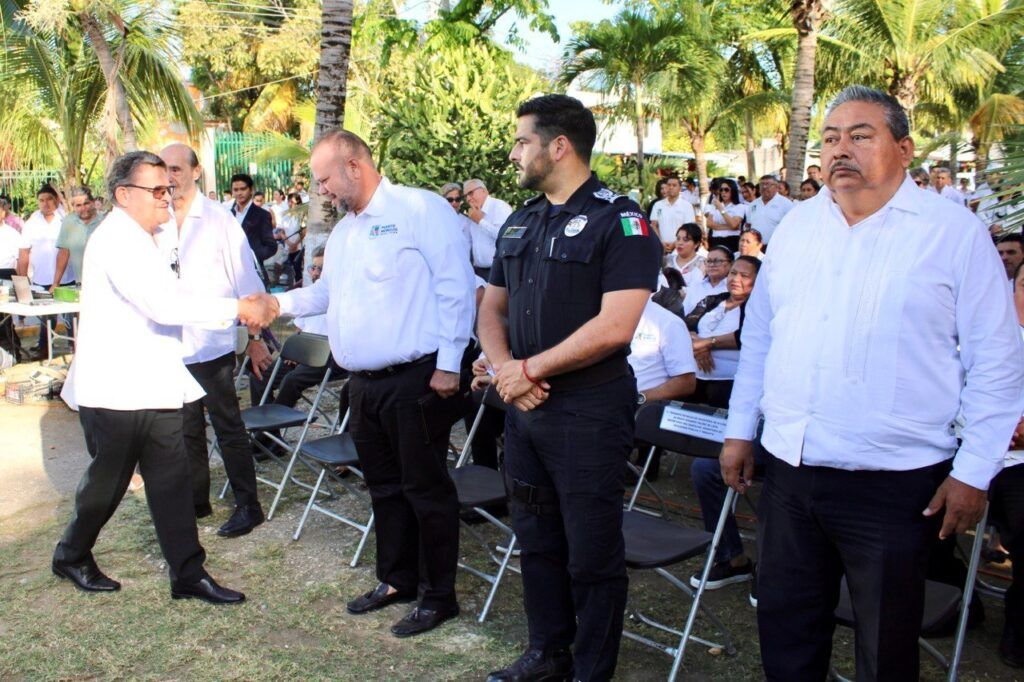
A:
x: 537, y: 665
x: 241, y: 522
x: 377, y: 598
x: 86, y: 576
x: 421, y: 620
x: 208, y: 590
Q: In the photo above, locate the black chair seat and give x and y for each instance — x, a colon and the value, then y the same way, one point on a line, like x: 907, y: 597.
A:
x: 336, y: 450
x: 478, y: 486
x: 652, y: 542
x: 941, y: 601
x: 269, y: 417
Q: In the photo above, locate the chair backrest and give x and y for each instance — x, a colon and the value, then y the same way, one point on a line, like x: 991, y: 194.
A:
x: 490, y: 398
x: 687, y: 428
x: 311, y: 350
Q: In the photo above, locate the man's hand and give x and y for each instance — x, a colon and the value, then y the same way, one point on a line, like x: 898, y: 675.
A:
x: 531, y: 399
x: 480, y: 382
x: 737, y: 462
x: 480, y: 367
x: 475, y: 214
x: 259, y: 356
x: 258, y: 310
x: 964, y: 506
x: 511, y: 381
x: 444, y: 384
x: 1017, y: 439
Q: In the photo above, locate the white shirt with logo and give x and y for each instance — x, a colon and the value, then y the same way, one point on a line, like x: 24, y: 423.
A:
x: 661, y: 348
x: 766, y: 217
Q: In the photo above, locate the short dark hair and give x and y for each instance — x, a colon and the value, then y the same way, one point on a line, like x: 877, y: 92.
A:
x: 895, y: 117
x: 48, y: 189
x: 729, y: 255
x: 814, y: 165
x: 242, y: 177
x: 122, y: 172
x: 259, y: 194
x: 1012, y: 237
x: 812, y: 182
x: 296, y: 196
x: 556, y: 115
x: 692, y: 231
x: 756, y: 233
x: 755, y: 262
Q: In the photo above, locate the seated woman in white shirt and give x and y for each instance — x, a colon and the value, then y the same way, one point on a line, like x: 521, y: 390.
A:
x: 716, y: 343
x: 686, y: 258
x: 725, y: 215
x: 699, y: 297
x: 751, y: 244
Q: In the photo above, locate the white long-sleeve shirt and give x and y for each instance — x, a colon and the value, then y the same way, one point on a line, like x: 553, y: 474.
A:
x: 214, y: 260
x: 128, y: 352
x: 396, y: 283
x: 862, y: 343
x: 485, y: 233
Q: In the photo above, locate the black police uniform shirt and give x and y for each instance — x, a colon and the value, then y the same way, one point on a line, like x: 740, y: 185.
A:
x: 556, y: 262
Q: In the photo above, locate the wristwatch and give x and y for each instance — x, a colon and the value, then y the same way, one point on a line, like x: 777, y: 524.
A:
x: 254, y: 337
x: 640, y: 399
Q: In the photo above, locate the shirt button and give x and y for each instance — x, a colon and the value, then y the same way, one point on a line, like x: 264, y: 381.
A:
x: 564, y: 256
x: 530, y: 281
x: 536, y: 249
x: 529, y: 312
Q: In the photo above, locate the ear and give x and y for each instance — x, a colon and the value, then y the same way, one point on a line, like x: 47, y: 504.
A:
x: 559, y: 148
x: 197, y: 172
x: 906, y: 147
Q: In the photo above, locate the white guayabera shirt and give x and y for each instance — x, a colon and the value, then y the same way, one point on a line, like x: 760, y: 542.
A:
x: 862, y: 343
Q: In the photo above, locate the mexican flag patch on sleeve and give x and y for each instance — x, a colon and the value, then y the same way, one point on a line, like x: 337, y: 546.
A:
x: 633, y: 225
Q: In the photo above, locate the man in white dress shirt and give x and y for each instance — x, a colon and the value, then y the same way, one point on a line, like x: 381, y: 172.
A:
x: 399, y: 297
x: 670, y: 213
x: 942, y: 182
x: 213, y: 258
x: 859, y: 384
x: 765, y: 212
x: 129, y: 383
x: 488, y: 215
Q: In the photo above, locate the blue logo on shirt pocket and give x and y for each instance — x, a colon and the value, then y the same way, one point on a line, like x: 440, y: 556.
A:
x: 381, y: 230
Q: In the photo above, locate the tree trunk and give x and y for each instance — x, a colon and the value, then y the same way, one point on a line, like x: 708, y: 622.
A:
x: 335, y: 45
x: 748, y: 134
x: 807, y: 18
x: 117, y: 98
x: 640, y: 125
x: 697, y: 142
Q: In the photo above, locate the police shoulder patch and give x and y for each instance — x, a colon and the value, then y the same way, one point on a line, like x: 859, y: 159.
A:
x: 606, y: 194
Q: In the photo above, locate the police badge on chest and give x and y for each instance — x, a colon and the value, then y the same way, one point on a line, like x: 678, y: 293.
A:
x: 575, y: 225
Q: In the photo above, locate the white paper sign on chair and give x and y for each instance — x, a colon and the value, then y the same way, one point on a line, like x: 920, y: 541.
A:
x: 697, y: 424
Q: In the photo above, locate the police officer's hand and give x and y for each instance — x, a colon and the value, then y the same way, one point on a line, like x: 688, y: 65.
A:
x: 964, y: 506
x: 445, y: 384
x: 511, y: 381
x: 531, y: 399
x: 737, y: 462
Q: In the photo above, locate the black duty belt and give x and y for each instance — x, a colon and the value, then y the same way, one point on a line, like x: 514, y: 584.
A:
x: 395, y: 369
x: 595, y: 375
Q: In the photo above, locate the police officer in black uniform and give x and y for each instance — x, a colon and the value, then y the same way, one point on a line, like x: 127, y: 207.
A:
x: 572, y: 273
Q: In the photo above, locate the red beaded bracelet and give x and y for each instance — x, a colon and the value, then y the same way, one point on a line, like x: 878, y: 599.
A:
x: 527, y: 374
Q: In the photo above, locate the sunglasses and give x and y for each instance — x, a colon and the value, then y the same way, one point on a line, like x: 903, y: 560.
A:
x: 316, y: 268
x: 454, y: 200
x: 158, y: 192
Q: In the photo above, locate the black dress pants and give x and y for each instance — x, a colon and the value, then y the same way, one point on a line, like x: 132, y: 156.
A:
x: 573, y: 448
x: 291, y: 381
x: 221, y: 402
x: 400, y: 429
x: 117, y: 440
x: 1007, y: 504
x: 816, y: 524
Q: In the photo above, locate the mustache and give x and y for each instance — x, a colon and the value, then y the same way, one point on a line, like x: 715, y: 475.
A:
x: 843, y: 165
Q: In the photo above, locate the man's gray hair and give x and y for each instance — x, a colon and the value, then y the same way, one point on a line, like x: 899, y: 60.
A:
x: 82, y: 192
x: 770, y: 176
x: 319, y: 253
x: 450, y: 186
x: 895, y: 116
x: 122, y: 171
x: 942, y: 170
x: 473, y: 181
x: 920, y: 174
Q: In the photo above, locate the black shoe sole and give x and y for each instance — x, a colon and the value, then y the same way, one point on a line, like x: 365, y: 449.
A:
x: 87, y: 590
x: 439, y: 623
x: 239, y: 533
x: 380, y: 605
x: 215, y: 602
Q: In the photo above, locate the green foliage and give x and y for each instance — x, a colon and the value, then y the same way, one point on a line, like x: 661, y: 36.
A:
x: 456, y: 119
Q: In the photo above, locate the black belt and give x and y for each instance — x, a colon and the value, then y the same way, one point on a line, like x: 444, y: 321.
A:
x: 595, y: 375
x: 395, y: 369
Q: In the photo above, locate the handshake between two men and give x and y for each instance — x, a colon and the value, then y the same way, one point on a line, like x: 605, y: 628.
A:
x: 257, y: 311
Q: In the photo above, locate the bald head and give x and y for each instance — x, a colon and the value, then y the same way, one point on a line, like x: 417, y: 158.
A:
x: 184, y: 170
x: 343, y: 170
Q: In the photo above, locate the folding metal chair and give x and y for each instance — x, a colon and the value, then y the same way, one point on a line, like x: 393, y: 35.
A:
x: 479, y: 487
x: 241, y: 345
x: 263, y: 419
x: 655, y: 543
x: 328, y: 454
x: 941, y: 601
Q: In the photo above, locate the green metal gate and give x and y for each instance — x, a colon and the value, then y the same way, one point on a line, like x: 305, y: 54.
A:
x: 236, y: 153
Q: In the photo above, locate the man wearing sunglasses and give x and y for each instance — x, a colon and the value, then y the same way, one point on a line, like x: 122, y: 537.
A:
x: 129, y: 383
x: 488, y: 215
x: 213, y: 257
x: 452, y: 193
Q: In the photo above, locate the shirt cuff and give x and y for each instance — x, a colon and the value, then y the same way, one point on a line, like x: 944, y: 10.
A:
x: 449, y: 358
x: 285, y: 301
x: 974, y: 470
x: 741, y: 426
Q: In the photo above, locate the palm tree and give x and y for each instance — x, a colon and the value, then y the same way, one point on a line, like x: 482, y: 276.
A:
x: 624, y: 57
x: 808, y: 16
x: 61, y: 88
x: 332, y: 90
